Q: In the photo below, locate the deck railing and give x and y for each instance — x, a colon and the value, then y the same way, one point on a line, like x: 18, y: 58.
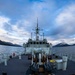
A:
x: 71, y: 56
x: 6, y: 56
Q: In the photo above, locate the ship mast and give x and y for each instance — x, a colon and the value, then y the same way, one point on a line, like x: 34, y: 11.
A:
x: 37, y: 31
x: 31, y: 35
x: 43, y: 35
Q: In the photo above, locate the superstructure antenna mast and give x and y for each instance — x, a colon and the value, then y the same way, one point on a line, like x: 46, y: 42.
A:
x: 31, y: 35
x: 43, y: 35
x: 37, y: 31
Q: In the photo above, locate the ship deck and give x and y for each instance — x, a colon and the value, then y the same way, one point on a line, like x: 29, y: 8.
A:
x: 18, y: 66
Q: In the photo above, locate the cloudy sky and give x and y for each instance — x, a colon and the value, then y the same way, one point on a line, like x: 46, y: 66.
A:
x: 55, y: 17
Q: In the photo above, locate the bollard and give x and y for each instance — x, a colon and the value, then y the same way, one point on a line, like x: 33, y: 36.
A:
x: 47, y: 59
x: 5, y: 62
x: 32, y: 60
x: 5, y: 57
x: 39, y: 58
x: 19, y: 56
x: 34, y: 56
x: 65, y: 59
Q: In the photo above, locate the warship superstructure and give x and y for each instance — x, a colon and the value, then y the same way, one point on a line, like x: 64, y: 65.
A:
x: 39, y: 52
x: 38, y: 45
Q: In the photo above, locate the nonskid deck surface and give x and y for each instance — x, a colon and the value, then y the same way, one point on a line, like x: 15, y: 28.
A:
x: 15, y: 66
x: 18, y: 66
x: 70, y: 69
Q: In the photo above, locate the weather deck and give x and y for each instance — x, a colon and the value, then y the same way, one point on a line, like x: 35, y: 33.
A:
x: 18, y: 66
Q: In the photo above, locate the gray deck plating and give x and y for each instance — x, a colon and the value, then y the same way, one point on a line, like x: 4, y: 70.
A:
x: 19, y: 67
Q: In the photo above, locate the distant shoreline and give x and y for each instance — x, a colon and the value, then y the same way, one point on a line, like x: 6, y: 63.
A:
x: 9, y: 44
x: 64, y: 46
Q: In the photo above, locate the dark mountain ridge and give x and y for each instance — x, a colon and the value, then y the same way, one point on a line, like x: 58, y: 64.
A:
x: 63, y: 45
x: 8, y: 44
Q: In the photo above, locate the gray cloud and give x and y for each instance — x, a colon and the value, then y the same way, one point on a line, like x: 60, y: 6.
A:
x: 56, y: 24
x: 64, y: 23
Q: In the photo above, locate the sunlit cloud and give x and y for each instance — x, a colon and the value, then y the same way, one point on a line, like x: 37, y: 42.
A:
x: 19, y: 17
x: 16, y: 35
x: 65, y: 21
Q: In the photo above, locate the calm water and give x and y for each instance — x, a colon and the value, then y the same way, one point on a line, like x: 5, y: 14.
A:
x: 69, y: 51
x: 9, y: 50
